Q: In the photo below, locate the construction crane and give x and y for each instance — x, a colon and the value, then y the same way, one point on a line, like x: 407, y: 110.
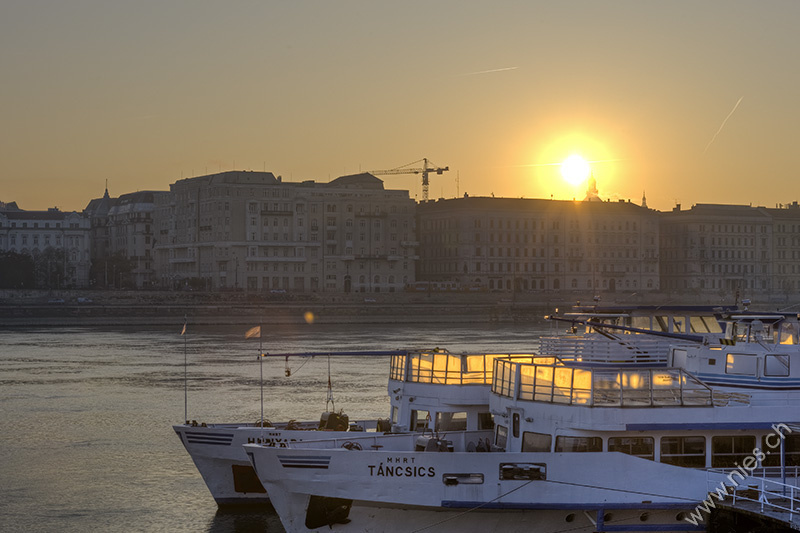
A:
x: 427, y: 167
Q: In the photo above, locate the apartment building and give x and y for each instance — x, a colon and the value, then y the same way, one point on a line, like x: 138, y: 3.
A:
x: 522, y: 244
x: 731, y: 249
x: 253, y: 231
x: 58, y: 242
x: 123, y: 228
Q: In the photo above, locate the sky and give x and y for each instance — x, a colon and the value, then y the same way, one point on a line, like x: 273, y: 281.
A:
x: 685, y: 102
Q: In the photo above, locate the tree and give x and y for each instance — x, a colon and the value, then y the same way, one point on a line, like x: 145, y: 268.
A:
x: 16, y: 271
x: 113, y: 270
x: 48, y: 268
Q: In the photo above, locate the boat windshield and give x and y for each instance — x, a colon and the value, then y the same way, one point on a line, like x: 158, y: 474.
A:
x: 444, y: 368
x: 607, y: 387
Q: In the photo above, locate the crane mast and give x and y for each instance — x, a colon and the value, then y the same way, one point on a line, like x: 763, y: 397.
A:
x: 427, y: 167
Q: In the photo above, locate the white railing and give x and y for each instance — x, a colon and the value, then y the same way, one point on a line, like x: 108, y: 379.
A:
x: 766, y: 493
x: 595, y: 348
x: 459, y: 440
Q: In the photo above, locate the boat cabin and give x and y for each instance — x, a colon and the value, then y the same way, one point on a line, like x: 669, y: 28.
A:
x: 661, y: 414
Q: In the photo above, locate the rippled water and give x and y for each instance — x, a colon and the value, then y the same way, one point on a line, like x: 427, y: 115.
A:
x: 86, y: 442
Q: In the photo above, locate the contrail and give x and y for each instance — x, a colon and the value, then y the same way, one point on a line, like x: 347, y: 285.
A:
x: 489, y: 71
x: 723, y: 123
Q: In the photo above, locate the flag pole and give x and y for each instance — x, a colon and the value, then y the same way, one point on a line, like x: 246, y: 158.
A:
x: 185, y: 375
x: 261, y: 370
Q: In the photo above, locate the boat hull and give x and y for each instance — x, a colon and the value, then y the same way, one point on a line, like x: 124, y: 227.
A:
x: 390, y: 491
x: 217, y: 452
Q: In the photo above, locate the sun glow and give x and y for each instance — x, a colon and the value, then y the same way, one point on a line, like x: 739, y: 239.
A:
x: 575, y: 169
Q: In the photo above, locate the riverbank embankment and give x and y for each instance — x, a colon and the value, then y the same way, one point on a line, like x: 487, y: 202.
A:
x: 147, y: 308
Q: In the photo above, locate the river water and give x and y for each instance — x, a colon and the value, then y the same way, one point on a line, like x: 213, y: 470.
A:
x: 86, y: 413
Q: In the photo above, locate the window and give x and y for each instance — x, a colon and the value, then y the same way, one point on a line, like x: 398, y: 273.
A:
x: 684, y: 451
x: 451, y: 421
x: 485, y: 421
x: 501, y: 436
x: 741, y: 364
x: 730, y: 451
x: 776, y: 365
x: 536, y: 442
x: 578, y: 444
x: 639, y: 446
x: 419, y: 420
x: 772, y: 443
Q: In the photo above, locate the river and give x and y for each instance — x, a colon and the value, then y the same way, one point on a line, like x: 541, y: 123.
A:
x: 87, y: 442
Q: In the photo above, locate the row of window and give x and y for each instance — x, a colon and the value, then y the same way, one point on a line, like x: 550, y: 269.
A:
x: 726, y: 451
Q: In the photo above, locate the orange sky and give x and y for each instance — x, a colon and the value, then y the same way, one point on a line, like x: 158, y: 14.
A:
x: 144, y: 93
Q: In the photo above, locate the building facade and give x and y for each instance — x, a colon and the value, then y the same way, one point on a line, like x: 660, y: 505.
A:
x: 252, y: 231
x: 58, y: 242
x: 731, y: 249
x: 123, y: 228
x: 512, y: 244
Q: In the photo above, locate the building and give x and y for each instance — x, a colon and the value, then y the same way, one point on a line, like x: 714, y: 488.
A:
x: 252, y: 231
x: 58, y: 242
x: 731, y: 250
x: 511, y: 244
x: 123, y: 230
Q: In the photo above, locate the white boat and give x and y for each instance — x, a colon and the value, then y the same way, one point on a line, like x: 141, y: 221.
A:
x: 578, y: 449
x: 430, y: 390
x: 631, y: 334
x: 758, y: 352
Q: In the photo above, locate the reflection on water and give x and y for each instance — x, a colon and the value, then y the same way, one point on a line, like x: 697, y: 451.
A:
x: 247, y: 520
x: 86, y: 413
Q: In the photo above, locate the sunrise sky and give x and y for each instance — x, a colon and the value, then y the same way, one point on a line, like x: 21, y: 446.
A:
x: 689, y: 102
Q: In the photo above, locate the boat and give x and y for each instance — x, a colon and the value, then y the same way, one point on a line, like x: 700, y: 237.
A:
x: 757, y: 352
x: 573, y: 448
x: 430, y: 391
x: 634, y: 334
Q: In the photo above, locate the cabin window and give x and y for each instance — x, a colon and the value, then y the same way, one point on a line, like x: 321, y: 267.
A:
x: 451, y: 421
x: 703, y: 324
x: 743, y: 364
x: 643, y: 447
x: 578, y: 444
x: 397, y: 369
x: 776, y: 365
x: 772, y: 443
x: 536, y: 442
x: 515, y: 425
x: 501, y: 436
x: 419, y: 420
x: 394, y: 415
x: 788, y: 335
x: 730, y: 451
x: 485, y: 421
x: 684, y: 451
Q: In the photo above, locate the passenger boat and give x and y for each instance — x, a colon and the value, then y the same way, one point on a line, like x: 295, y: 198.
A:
x: 757, y: 352
x: 635, y: 334
x: 430, y: 390
x: 573, y: 448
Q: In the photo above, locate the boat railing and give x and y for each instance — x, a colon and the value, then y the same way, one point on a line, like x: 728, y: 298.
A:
x: 595, y: 348
x: 767, y: 493
x: 457, y: 440
x: 792, y: 472
x: 600, y: 387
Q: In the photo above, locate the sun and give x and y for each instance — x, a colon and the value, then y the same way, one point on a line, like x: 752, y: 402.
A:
x: 575, y: 169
